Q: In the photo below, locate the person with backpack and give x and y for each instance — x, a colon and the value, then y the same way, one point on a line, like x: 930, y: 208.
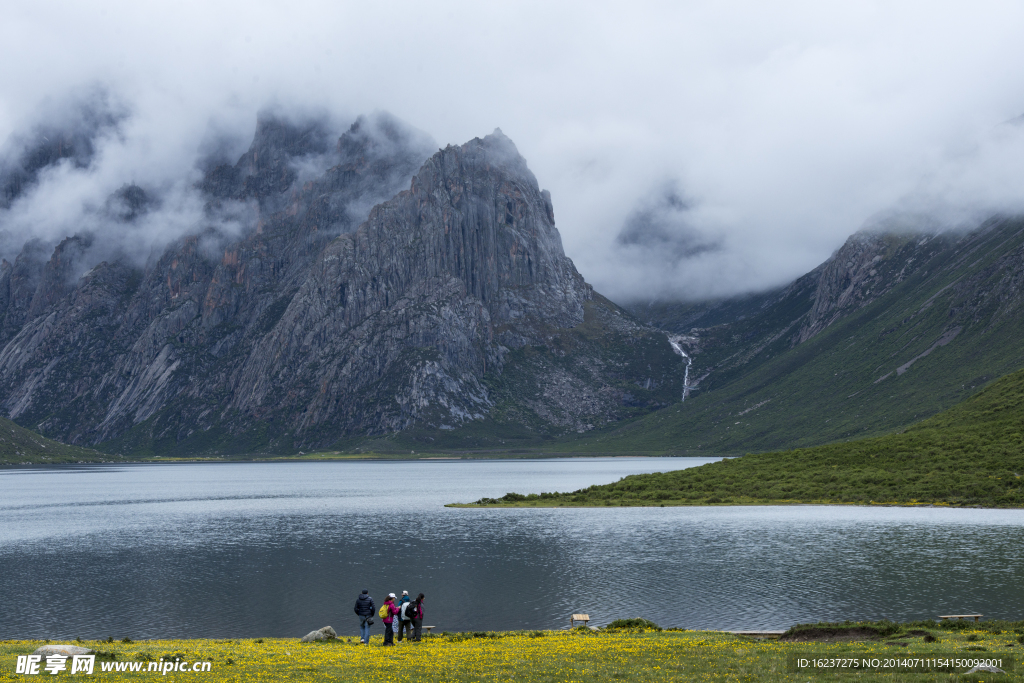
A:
x: 403, y: 625
x: 387, y: 614
x: 415, y: 613
x: 364, y: 610
x: 408, y: 614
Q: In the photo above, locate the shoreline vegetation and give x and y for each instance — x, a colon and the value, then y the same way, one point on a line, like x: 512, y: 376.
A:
x: 20, y: 446
x: 635, y: 650
x: 971, y: 455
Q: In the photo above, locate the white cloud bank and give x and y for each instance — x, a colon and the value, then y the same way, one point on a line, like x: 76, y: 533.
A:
x: 781, y: 127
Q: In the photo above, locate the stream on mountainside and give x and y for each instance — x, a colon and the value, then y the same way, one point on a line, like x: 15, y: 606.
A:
x: 674, y: 341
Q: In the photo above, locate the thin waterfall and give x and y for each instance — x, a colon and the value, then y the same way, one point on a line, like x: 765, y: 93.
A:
x: 674, y: 341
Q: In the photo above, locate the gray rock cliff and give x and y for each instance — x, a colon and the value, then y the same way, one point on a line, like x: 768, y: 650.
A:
x: 451, y: 303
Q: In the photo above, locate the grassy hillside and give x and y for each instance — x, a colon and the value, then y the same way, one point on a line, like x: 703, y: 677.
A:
x: 972, y: 454
x: 21, y: 446
x: 951, y: 324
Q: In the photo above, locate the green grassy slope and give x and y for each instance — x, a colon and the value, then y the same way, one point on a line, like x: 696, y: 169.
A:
x: 956, y: 319
x: 22, y: 446
x: 972, y: 454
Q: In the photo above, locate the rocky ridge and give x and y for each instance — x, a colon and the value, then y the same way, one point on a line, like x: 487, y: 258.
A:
x: 893, y: 328
x: 451, y: 304
x: 726, y: 335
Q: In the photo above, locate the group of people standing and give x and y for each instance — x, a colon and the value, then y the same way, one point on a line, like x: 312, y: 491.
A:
x: 398, y: 614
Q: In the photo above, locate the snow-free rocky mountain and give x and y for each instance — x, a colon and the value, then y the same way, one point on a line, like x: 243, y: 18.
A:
x: 447, y: 311
x: 893, y: 328
x: 370, y: 292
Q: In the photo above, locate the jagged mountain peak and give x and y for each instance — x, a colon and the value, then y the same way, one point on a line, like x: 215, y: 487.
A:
x: 450, y: 303
x: 496, y: 157
x: 381, y: 134
x: 497, y: 150
x: 279, y: 135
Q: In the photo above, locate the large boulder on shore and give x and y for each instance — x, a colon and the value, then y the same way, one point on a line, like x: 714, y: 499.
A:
x: 325, y: 633
x: 59, y: 649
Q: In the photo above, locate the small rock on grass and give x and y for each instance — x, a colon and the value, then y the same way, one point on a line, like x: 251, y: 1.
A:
x: 986, y: 669
x: 66, y: 650
x: 325, y: 633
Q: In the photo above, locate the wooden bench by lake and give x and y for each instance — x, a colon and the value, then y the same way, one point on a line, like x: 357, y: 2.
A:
x: 429, y: 629
x: 585, y: 618
x: 960, y: 616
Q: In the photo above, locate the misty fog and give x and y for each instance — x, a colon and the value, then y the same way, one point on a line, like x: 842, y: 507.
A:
x: 691, y: 150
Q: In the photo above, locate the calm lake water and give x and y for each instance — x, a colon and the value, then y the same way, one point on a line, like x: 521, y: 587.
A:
x: 278, y: 549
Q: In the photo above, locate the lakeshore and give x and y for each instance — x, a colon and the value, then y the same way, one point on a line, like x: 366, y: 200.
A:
x: 581, y: 654
x: 17, y: 460
x: 157, y: 541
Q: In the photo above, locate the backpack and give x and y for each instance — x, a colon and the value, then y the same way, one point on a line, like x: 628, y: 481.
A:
x: 383, y: 611
x: 408, y: 611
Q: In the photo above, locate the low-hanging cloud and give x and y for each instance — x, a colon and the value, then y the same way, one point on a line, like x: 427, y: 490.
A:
x: 87, y: 171
x: 661, y: 229
x: 781, y: 128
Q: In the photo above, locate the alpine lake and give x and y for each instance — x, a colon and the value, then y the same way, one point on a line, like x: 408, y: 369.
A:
x: 277, y: 549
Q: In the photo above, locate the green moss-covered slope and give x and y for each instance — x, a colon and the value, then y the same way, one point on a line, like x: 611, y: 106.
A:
x: 972, y: 454
x: 948, y: 321
x: 22, y: 446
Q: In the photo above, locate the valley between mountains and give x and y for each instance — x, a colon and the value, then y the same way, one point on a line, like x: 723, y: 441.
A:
x: 369, y: 294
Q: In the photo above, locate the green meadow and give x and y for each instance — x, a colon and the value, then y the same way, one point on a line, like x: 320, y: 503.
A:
x: 640, y: 653
x: 969, y: 455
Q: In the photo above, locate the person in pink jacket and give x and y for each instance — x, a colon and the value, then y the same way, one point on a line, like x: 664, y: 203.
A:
x: 392, y: 610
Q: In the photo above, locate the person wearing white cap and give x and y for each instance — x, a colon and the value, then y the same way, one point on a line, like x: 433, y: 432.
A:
x: 387, y: 615
x: 403, y: 625
x: 398, y: 616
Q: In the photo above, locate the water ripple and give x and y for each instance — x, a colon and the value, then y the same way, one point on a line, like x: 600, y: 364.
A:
x: 278, y: 549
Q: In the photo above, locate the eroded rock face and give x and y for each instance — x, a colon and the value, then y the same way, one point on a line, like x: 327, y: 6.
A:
x: 315, y: 326
x: 865, y: 268
x: 419, y: 301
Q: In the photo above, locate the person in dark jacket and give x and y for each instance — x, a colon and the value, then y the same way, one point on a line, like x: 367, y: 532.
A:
x: 403, y: 625
x: 364, y: 610
x: 415, y: 610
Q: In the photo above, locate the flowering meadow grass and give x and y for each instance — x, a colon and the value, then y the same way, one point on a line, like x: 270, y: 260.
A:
x: 562, y: 656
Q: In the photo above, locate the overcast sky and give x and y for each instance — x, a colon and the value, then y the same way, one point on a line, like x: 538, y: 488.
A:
x: 691, y: 148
